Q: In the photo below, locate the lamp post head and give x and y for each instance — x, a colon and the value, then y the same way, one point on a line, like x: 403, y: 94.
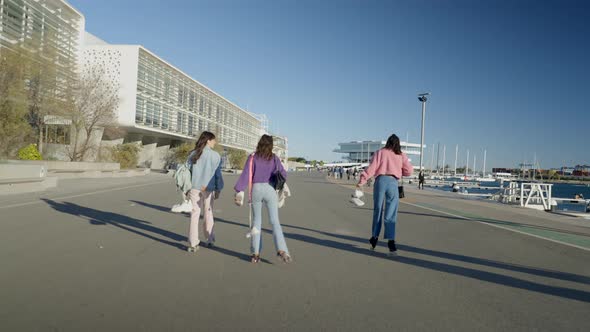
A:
x: 422, y: 96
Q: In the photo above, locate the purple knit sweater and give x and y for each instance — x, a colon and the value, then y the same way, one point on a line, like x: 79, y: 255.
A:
x: 263, y: 170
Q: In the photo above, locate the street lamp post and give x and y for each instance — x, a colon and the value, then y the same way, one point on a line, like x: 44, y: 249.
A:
x: 422, y: 98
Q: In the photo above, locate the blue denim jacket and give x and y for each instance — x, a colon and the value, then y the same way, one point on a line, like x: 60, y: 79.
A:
x: 206, y: 172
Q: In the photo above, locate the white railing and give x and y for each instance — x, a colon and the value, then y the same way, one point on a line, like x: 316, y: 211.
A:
x: 531, y: 195
x: 535, y: 193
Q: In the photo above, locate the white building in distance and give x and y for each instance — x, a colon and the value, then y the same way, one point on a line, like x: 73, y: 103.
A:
x: 362, y: 151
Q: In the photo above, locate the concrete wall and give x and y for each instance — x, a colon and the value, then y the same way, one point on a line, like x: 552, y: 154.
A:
x: 20, y: 171
x: 56, y: 151
x: 294, y: 165
x: 159, y: 157
x: 146, y: 154
x: 66, y: 165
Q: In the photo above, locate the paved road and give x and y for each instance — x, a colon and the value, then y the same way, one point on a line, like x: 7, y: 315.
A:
x: 108, y: 256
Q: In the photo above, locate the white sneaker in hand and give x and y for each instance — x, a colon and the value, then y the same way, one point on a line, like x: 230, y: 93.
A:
x: 358, y: 194
x: 239, y: 198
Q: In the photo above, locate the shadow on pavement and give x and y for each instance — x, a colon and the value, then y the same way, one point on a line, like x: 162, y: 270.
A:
x: 441, y: 267
x: 135, y: 226
x: 152, y: 206
x: 467, y: 259
x: 459, y: 270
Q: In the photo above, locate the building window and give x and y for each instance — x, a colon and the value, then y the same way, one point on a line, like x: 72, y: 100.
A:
x: 180, y: 95
x: 165, y: 117
x: 139, y: 110
x: 57, y: 134
x: 156, y: 121
x: 149, y: 113
x: 191, y: 125
x: 179, y: 122
x: 191, y: 102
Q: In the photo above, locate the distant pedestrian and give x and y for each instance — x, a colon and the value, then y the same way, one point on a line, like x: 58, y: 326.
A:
x: 388, y: 165
x: 258, y: 172
x: 348, y: 174
x: 421, y: 180
x: 207, y: 183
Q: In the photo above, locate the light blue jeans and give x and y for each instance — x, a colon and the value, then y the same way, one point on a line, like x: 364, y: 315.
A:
x: 386, y: 201
x: 265, y: 193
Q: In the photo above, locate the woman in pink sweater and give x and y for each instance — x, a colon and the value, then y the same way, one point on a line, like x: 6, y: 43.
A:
x: 387, y: 166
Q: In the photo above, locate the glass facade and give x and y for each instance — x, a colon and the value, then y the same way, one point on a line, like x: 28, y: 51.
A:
x: 169, y: 100
x: 363, y: 151
x: 47, y: 27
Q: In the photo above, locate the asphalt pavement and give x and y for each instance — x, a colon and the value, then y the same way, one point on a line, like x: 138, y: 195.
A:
x: 107, y: 255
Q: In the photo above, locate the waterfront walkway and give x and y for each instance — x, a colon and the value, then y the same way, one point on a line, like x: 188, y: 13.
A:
x: 107, y: 255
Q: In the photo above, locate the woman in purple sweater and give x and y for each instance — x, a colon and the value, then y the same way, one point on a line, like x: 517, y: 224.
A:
x: 264, y: 164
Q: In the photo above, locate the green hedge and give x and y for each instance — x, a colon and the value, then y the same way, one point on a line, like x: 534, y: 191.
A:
x: 29, y: 152
x: 125, y: 154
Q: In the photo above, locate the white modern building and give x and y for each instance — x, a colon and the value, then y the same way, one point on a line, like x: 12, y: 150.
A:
x: 160, y: 106
x: 52, y: 28
x: 362, y: 151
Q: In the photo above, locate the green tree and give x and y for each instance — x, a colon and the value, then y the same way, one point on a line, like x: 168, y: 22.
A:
x: 90, y: 103
x: 297, y: 159
x: 180, y: 153
x: 126, y: 155
x: 43, y: 93
x: 14, y: 128
x: 237, y: 158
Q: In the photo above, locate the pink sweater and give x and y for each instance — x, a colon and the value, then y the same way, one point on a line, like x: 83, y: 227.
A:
x: 386, y: 162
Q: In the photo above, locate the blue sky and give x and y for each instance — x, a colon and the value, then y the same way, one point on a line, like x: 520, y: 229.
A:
x: 508, y: 76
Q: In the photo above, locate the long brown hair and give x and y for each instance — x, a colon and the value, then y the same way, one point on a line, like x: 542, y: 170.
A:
x: 393, y: 144
x: 264, y: 148
x: 205, y: 137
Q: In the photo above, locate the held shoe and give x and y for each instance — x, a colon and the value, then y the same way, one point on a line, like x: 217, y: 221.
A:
x: 358, y: 194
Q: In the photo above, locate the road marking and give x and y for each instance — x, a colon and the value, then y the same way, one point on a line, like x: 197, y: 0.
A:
x: 497, y: 226
x: 479, y: 221
x: 81, y: 195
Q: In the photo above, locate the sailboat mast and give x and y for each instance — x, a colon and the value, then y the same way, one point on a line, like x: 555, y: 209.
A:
x: 444, y: 156
x: 484, y: 163
x: 467, y: 163
x: 456, y: 155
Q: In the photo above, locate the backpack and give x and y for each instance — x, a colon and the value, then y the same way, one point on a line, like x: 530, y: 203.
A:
x: 183, y: 178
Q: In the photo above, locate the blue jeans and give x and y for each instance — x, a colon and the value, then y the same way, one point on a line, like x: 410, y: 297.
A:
x: 265, y: 193
x: 386, y: 201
